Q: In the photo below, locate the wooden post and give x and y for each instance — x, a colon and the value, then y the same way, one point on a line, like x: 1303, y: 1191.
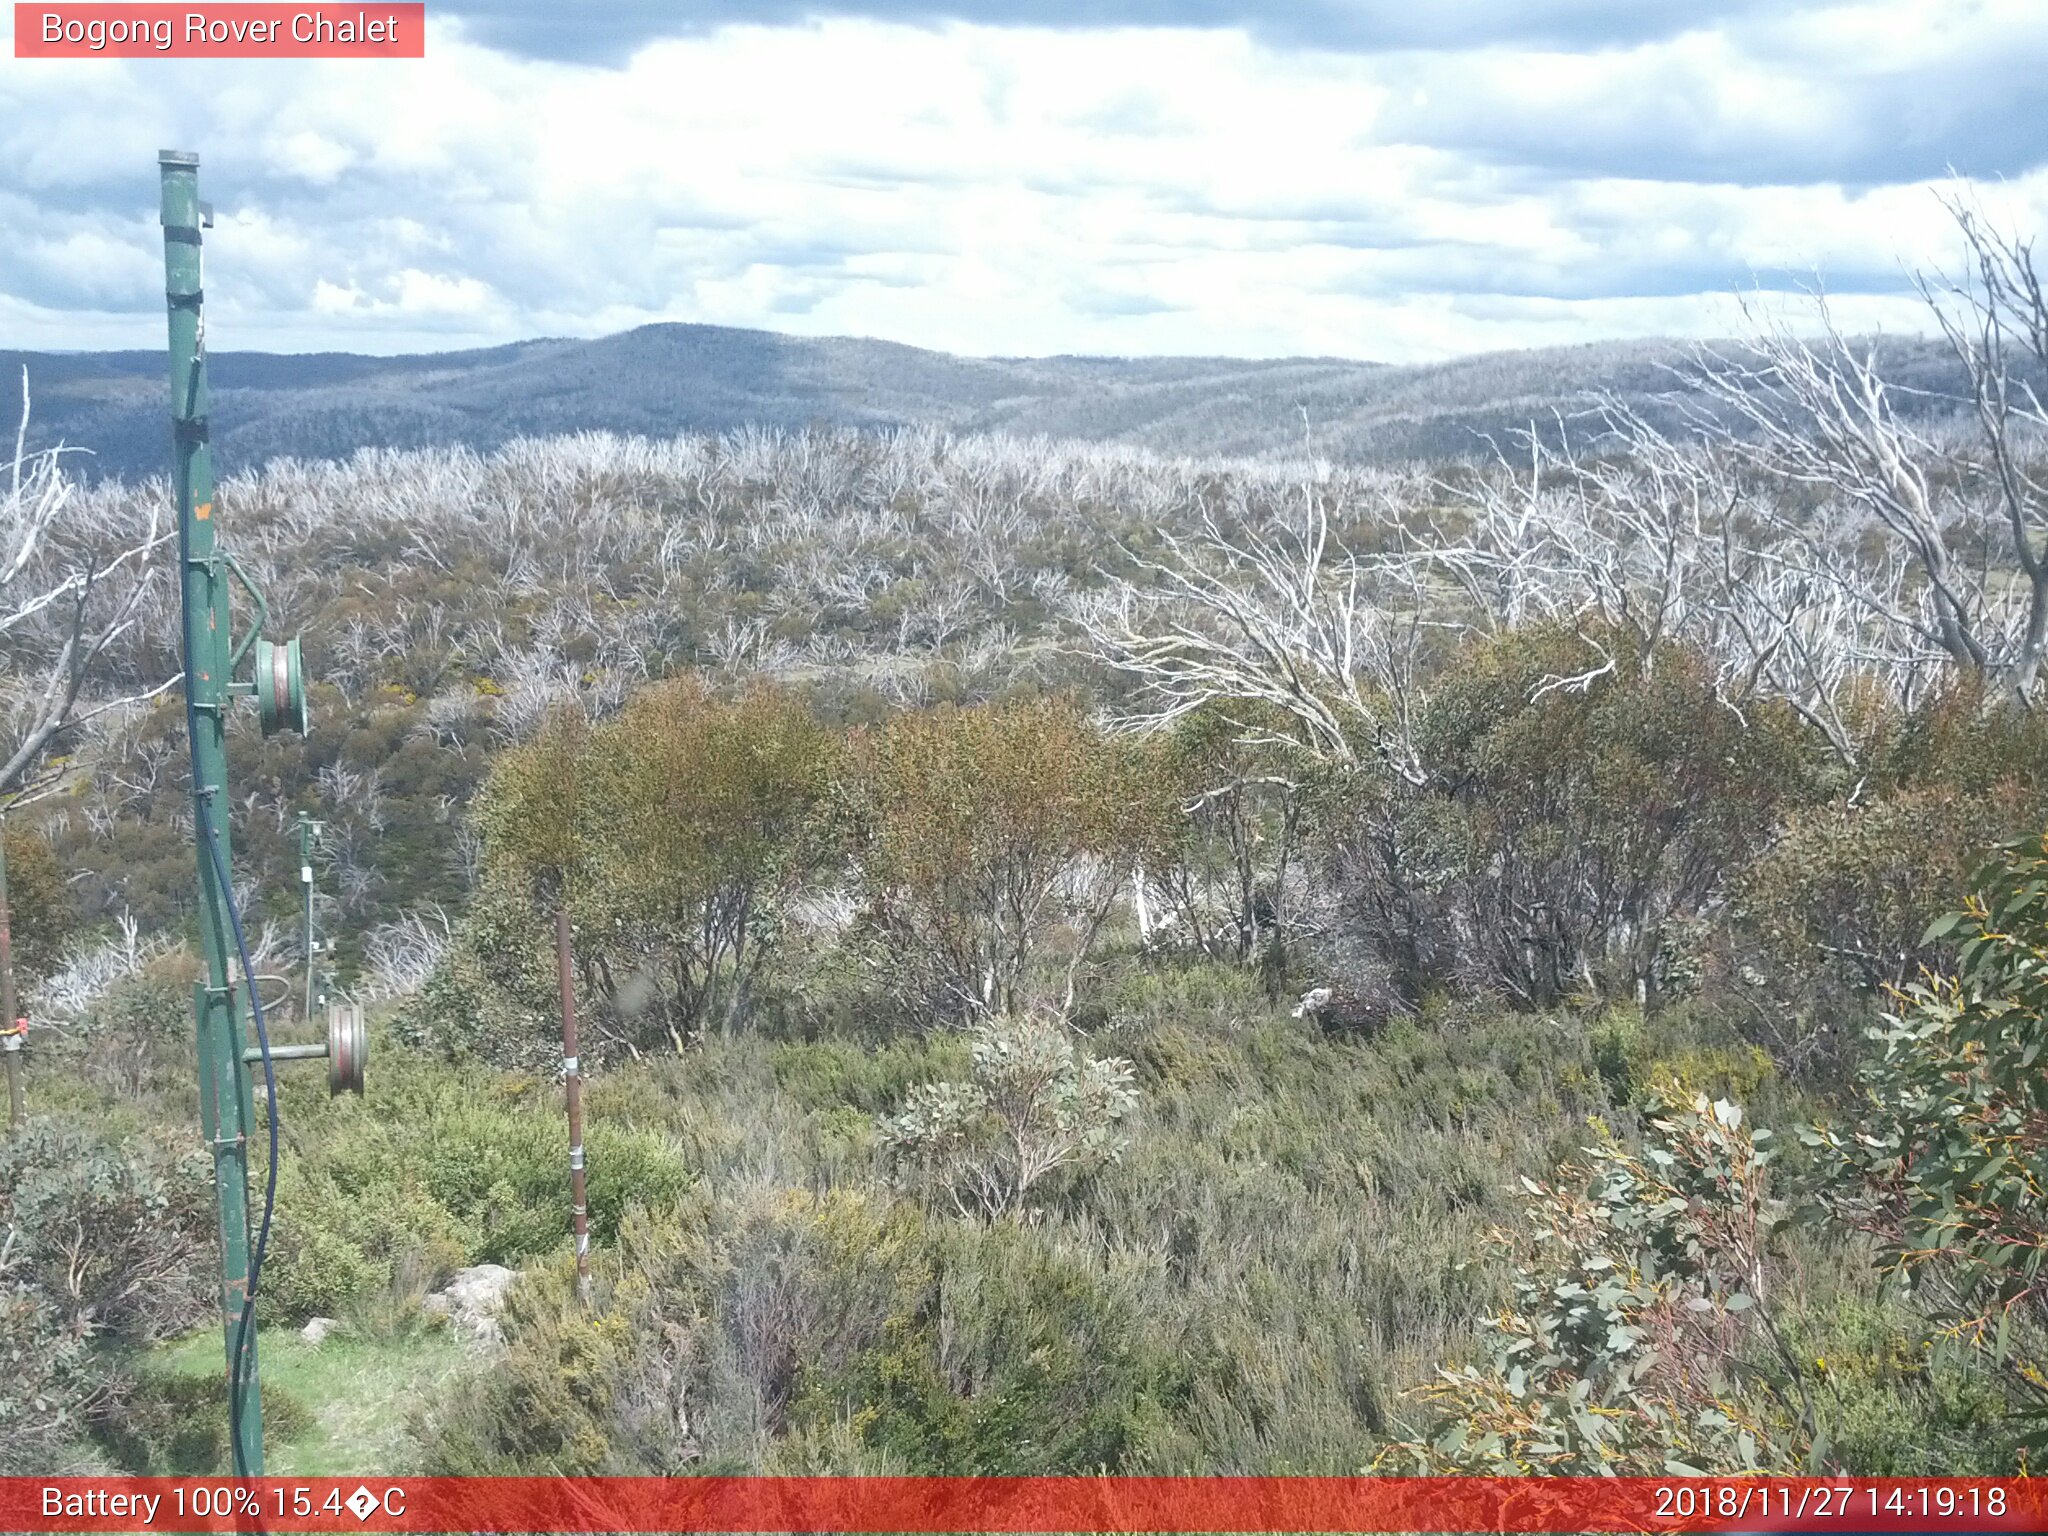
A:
x: 572, y: 1083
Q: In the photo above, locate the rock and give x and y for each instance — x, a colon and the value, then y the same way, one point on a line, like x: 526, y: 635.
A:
x: 1313, y: 1002
x: 472, y: 1301
x: 318, y: 1329
x: 1360, y: 1005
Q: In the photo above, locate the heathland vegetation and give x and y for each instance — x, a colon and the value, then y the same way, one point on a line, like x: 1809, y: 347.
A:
x: 1092, y: 960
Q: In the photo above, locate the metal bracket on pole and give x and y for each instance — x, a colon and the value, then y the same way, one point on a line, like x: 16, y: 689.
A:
x: 262, y: 611
x: 346, y: 1050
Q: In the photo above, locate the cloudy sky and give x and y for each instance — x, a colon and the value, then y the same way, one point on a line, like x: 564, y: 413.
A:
x: 1393, y: 179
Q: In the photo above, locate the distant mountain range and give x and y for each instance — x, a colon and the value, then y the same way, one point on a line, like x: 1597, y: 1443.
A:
x: 660, y: 380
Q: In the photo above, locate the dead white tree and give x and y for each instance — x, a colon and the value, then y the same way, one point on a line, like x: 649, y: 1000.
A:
x: 70, y: 588
x: 1819, y: 413
x: 1996, y: 321
x: 1285, y: 617
x: 1627, y: 533
x: 1613, y: 528
x: 93, y: 969
x: 1959, y: 576
x: 398, y: 957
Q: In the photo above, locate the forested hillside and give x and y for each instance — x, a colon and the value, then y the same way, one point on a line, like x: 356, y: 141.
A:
x: 667, y: 379
x: 1091, y: 958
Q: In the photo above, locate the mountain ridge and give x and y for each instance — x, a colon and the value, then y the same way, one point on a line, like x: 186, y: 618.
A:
x: 664, y: 379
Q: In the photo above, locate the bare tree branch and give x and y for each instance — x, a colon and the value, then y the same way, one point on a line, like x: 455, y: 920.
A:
x: 71, y: 587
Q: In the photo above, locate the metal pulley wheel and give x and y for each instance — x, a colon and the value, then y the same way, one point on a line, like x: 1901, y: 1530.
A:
x: 280, y: 687
x: 348, y: 1048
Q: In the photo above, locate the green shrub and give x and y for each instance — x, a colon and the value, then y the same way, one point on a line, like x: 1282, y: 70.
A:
x: 775, y: 1328
x: 52, y: 1383
x: 346, y: 1233
x: 1640, y: 1288
x: 437, y: 1169
x: 1199, y: 994
x: 545, y: 1406
x: 1033, y: 1105
x: 1836, y: 911
x: 1640, y: 1059
x: 1946, y: 1156
x: 708, y: 1317
x: 42, y: 907
x: 117, y: 1240
x: 99, y: 1243
x: 494, y: 997
x: 1583, y: 795
x: 507, y: 1175
x: 832, y: 1074
x: 1027, y: 1357
x: 309, y: 1271
x: 1848, y: 892
x: 135, y: 1042
x: 1895, y: 1405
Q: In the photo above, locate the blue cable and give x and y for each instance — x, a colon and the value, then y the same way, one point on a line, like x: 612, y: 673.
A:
x: 241, y: 1350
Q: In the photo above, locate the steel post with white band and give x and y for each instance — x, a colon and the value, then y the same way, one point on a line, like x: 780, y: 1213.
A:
x: 572, y: 1083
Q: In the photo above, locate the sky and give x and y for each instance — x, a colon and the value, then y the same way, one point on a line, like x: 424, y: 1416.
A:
x: 1401, y: 180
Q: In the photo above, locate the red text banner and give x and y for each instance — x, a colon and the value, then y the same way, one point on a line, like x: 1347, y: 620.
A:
x: 217, y: 31
x: 1028, y: 1504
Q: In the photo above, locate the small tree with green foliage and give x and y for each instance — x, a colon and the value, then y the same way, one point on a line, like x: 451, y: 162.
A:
x: 984, y: 839
x: 535, y: 811
x: 1583, y: 793
x: 39, y: 903
x: 677, y: 833
x: 494, y: 990
x: 1842, y: 900
x: 710, y: 816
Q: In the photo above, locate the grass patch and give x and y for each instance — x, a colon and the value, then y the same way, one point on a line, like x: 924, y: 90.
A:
x: 345, y: 1403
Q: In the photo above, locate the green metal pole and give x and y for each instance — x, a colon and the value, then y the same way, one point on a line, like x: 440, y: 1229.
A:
x: 226, y: 1102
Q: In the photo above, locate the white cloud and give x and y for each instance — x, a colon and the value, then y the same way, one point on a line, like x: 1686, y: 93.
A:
x: 314, y: 157
x: 1020, y: 190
